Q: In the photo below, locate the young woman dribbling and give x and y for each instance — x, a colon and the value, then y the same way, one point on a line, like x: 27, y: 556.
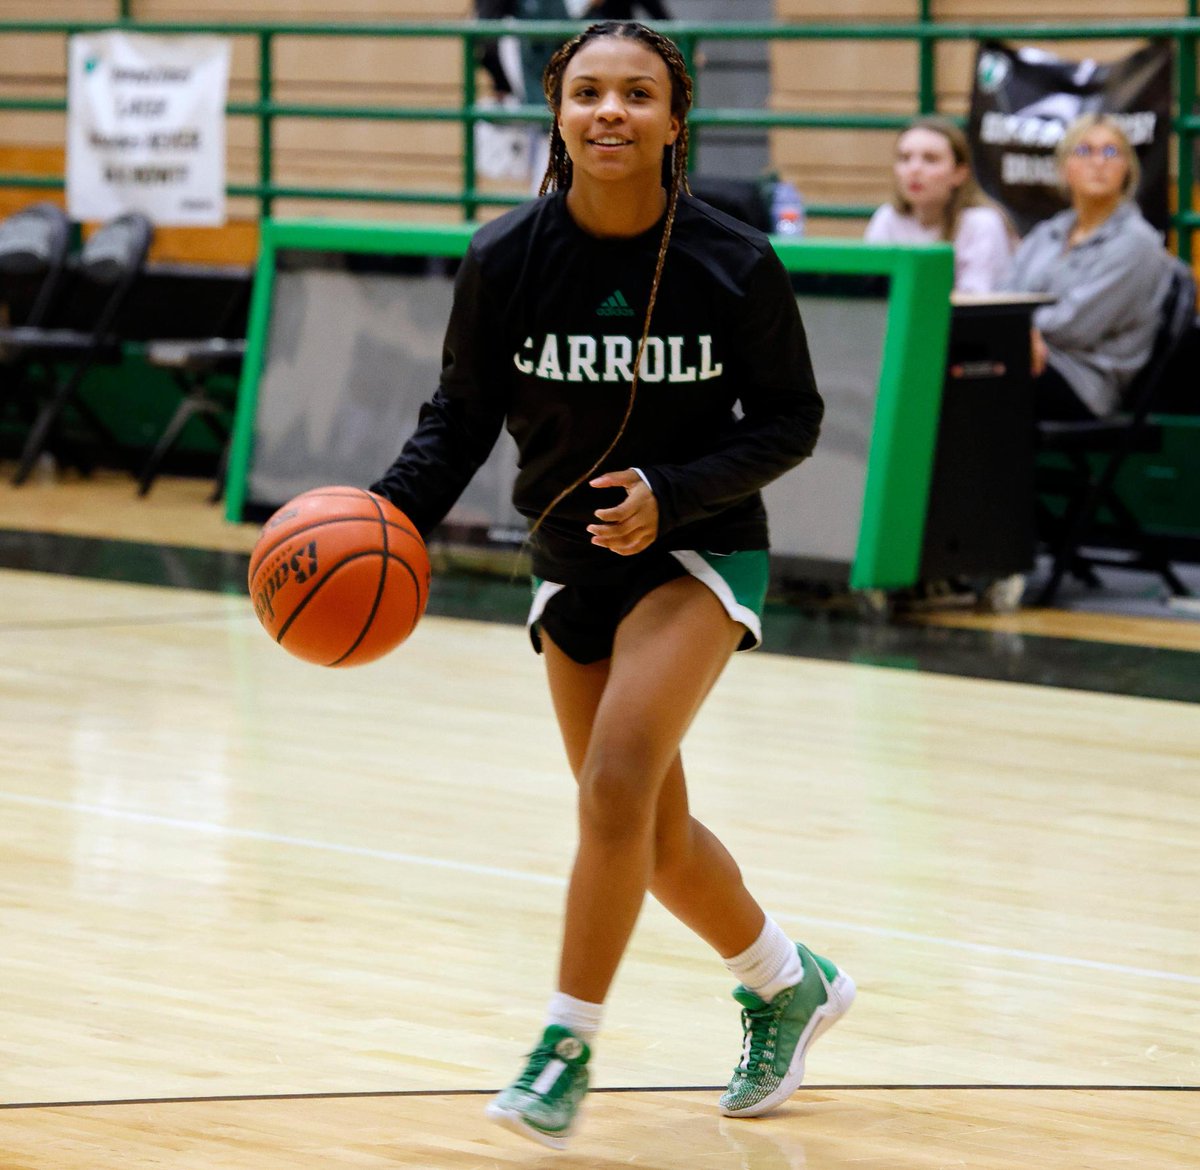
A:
x: 612, y: 326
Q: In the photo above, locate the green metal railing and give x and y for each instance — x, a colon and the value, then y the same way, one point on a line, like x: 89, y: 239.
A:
x: 904, y: 428
x: 926, y: 34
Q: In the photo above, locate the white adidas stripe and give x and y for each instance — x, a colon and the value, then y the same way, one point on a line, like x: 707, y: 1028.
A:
x: 548, y: 1076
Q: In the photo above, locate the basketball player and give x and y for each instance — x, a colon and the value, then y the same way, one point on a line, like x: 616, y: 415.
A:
x: 611, y: 326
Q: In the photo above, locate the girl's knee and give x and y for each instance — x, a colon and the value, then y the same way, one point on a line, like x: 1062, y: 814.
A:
x: 616, y: 802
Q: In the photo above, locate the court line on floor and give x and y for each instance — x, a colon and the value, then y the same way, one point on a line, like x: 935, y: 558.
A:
x: 529, y: 877
x: 385, y: 1094
x: 105, y: 623
x: 282, y: 839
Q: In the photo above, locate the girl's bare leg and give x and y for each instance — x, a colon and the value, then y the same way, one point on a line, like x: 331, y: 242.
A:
x: 622, y: 723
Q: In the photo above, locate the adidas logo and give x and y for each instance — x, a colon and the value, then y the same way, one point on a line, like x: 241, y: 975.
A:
x: 614, y: 306
x: 569, y: 1048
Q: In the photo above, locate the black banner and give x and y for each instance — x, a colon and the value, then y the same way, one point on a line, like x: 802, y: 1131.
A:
x: 1022, y: 101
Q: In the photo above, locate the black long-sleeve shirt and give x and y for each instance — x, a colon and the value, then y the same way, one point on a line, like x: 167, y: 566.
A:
x: 542, y: 338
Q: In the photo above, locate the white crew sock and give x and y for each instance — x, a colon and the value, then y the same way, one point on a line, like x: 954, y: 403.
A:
x: 769, y: 964
x: 578, y: 1015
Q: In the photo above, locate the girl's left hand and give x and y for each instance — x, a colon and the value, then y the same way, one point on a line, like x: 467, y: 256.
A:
x: 632, y: 525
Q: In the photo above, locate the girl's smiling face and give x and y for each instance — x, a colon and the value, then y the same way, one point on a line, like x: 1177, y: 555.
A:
x: 615, y: 116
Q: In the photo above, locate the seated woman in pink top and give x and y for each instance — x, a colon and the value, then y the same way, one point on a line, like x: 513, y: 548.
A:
x: 937, y: 198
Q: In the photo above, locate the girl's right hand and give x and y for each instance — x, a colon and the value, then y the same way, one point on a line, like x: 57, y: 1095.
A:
x: 632, y: 525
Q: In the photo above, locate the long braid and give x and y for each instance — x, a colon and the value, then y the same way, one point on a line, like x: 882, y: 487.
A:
x: 559, y: 172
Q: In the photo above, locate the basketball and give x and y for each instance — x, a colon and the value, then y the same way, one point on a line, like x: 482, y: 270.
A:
x: 339, y: 576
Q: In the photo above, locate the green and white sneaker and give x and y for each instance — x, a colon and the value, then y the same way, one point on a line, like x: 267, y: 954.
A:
x: 777, y: 1035
x: 543, y: 1102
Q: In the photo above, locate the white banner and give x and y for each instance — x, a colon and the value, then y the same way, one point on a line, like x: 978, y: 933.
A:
x: 146, y: 127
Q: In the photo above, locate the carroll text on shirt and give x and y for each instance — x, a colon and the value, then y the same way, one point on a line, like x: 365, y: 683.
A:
x: 579, y: 357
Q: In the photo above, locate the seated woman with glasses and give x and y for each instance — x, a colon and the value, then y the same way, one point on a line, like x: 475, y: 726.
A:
x: 1106, y: 269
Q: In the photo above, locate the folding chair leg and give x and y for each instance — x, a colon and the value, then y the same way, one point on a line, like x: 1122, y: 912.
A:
x: 1065, y: 561
x: 1049, y: 591
x: 207, y: 409
x: 39, y: 432
x: 166, y: 441
x: 1075, y: 524
x: 39, y: 438
x: 1070, y: 531
x: 1173, y: 580
x: 218, y: 491
x: 1151, y: 550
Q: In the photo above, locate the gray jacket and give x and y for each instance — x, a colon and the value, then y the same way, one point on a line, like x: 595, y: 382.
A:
x: 1108, y: 290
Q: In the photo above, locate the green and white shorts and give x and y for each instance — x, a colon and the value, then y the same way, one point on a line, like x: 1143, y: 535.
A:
x: 582, y: 619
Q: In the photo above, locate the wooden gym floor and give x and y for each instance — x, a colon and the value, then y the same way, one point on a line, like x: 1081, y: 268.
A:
x: 260, y: 915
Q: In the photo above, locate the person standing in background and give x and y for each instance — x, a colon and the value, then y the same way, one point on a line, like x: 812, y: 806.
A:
x: 536, y: 53
x: 535, y: 56
x: 516, y: 71
x: 488, y: 52
x: 936, y: 198
x: 624, y: 10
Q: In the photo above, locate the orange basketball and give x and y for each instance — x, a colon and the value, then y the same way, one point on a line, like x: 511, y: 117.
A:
x: 339, y: 576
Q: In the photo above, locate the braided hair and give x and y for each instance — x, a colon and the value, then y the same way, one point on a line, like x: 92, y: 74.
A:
x: 559, y: 173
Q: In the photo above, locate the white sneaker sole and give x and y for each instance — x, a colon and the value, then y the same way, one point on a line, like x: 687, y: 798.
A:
x: 840, y: 996
x: 510, y: 1119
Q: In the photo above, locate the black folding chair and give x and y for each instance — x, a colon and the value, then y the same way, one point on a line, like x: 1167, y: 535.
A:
x: 208, y: 372
x: 34, y: 244
x: 33, y: 253
x: 1091, y: 453
x: 79, y: 333
x: 202, y: 348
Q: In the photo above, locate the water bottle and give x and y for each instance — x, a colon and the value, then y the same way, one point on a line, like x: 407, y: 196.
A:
x: 787, y: 210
